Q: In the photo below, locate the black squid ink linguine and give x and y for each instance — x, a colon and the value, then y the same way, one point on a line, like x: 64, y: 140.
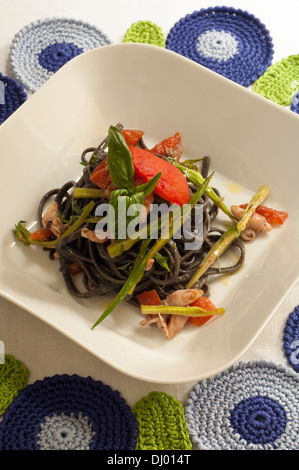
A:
x: 120, y: 267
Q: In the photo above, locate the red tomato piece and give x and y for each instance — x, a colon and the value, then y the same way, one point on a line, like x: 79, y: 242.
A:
x: 168, y: 143
x: 150, y: 297
x: 206, y: 304
x: 172, y: 186
x: 273, y: 216
x: 41, y: 234
x: 132, y: 136
x: 101, y: 175
x: 74, y: 269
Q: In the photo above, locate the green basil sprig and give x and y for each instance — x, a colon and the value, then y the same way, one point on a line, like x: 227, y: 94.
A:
x: 120, y: 160
x: 121, y: 169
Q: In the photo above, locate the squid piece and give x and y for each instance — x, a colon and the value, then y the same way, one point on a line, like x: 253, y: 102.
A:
x: 175, y: 324
x: 175, y: 152
x: 183, y: 297
x: 171, y: 325
x: 159, y: 321
x: 256, y: 223
x: 149, y: 264
x: 91, y: 235
x: 52, y: 221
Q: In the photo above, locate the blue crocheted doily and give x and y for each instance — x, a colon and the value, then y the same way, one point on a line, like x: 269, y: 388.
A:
x: 12, y: 95
x: 231, y: 42
x: 42, y: 47
x: 295, y: 103
x: 250, y: 406
x: 68, y: 413
x: 291, y: 339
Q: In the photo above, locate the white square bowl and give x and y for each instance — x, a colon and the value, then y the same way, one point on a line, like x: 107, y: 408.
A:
x: 251, y: 142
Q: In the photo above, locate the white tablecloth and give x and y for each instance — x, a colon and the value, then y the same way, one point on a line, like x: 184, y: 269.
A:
x: 44, y: 351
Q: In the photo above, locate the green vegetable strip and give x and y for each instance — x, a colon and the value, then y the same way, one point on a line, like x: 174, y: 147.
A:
x: 184, y: 311
x: 117, y: 248
x: 130, y: 283
x: 196, y: 178
x: 229, y: 236
x: 174, y: 226
x: 24, y: 235
x: 142, y: 258
x: 88, y: 193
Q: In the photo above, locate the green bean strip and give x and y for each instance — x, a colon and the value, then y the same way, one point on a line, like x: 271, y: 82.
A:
x: 130, y: 283
x: 88, y: 193
x: 196, y: 178
x: 184, y: 311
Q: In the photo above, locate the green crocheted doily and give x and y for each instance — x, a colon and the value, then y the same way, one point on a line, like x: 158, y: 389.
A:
x: 13, y: 378
x: 161, y: 423
x: 280, y: 82
x: 145, y: 32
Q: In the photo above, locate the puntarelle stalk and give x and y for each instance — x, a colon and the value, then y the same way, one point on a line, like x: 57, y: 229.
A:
x: 196, y: 178
x: 88, y: 193
x: 142, y: 258
x: 229, y: 236
x: 174, y: 310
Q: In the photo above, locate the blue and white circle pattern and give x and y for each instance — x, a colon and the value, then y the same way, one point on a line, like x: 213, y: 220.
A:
x: 295, y: 103
x: 65, y: 432
x: 12, y: 96
x: 228, y: 41
x: 42, y: 47
x: 68, y: 413
x: 291, y: 334
x: 251, y: 406
x: 217, y: 45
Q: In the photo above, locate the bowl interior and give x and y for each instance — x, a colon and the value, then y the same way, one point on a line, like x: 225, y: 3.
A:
x: 251, y: 142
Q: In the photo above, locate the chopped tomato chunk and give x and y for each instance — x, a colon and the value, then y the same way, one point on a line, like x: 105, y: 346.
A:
x: 74, y: 269
x: 101, y: 175
x: 150, y: 297
x: 132, y: 136
x: 172, y: 186
x: 169, y: 143
x: 206, y: 304
x: 273, y: 216
x: 41, y: 234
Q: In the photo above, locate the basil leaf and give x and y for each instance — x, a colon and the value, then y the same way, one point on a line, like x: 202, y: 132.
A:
x: 162, y: 260
x: 115, y: 195
x: 148, y: 187
x: 120, y: 202
x: 120, y: 160
x: 137, y: 198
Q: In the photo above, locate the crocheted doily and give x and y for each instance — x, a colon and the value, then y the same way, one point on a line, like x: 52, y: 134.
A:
x: 161, y: 423
x: 42, y: 47
x: 291, y: 339
x: 252, y: 405
x: 231, y: 42
x: 13, y: 378
x: 280, y: 81
x: 295, y: 103
x: 145, y: 32
x: 12, y: 95
x: 68, y: 413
